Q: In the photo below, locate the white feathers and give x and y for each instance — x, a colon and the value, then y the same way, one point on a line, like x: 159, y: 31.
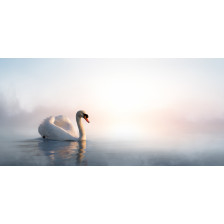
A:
x: 57, y: 128
x: 61, y: 128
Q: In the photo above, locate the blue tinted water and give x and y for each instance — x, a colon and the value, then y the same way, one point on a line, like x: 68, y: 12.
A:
x: 40, y: 152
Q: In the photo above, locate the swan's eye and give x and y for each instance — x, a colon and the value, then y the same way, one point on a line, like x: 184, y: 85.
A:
x: 85, y: 115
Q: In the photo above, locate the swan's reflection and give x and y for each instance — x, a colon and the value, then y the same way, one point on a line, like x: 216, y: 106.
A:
x: 64, y: 153
x: 81, y: 154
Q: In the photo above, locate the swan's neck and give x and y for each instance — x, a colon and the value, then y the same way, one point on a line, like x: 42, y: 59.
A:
x: 82, y: 134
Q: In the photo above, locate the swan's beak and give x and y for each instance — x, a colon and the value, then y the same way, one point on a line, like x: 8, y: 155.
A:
x: 86, y: 119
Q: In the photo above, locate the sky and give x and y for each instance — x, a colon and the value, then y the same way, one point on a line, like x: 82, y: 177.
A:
x: 125, y: 98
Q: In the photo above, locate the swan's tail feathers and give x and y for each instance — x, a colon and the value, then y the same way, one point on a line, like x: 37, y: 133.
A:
x: 41, y: 131
x: 44, y: 127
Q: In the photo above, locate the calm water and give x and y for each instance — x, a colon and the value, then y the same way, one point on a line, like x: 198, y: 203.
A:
x: 40, y: 152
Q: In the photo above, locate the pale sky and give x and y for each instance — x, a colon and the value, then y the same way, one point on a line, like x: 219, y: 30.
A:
x: 123, y: 97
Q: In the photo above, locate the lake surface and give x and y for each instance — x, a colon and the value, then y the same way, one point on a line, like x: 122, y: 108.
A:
x: 40, y: 152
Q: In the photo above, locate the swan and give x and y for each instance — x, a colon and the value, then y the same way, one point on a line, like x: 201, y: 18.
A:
x: 61, y: 128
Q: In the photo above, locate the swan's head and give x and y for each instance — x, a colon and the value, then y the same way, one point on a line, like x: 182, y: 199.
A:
x: 82, y: 114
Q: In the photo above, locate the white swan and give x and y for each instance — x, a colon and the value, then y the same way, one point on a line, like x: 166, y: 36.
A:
x: 61, y: 128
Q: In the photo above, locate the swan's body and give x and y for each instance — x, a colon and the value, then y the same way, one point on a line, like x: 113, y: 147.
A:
x: 61, y: 128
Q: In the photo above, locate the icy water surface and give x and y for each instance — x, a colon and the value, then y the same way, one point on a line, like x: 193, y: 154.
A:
x: 40, y: 152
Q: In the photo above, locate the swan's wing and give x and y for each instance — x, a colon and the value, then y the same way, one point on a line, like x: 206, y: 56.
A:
x: 65, y: 123
x: 49, y: 130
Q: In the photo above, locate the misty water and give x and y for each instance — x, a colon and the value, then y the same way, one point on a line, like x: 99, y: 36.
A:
x: 40, y: 152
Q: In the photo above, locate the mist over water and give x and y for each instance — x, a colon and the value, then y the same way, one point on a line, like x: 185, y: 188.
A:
x: 141, y: 111
x: 190, y: 151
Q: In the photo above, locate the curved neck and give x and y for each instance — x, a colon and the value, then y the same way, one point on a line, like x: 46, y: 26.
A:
x: 82, y: 134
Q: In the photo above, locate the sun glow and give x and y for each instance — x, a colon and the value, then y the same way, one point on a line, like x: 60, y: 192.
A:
x: 125, y: 131
x: 125, y: 100
x: 129, y: 94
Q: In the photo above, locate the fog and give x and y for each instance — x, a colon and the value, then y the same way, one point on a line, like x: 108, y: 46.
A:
x: 130, y: 99
x: 167, y: 124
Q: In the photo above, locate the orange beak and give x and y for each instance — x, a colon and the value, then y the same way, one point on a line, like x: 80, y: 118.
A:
x: 86, y: 119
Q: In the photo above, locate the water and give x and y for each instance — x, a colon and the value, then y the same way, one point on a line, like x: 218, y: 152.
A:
x: 40, y: 152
